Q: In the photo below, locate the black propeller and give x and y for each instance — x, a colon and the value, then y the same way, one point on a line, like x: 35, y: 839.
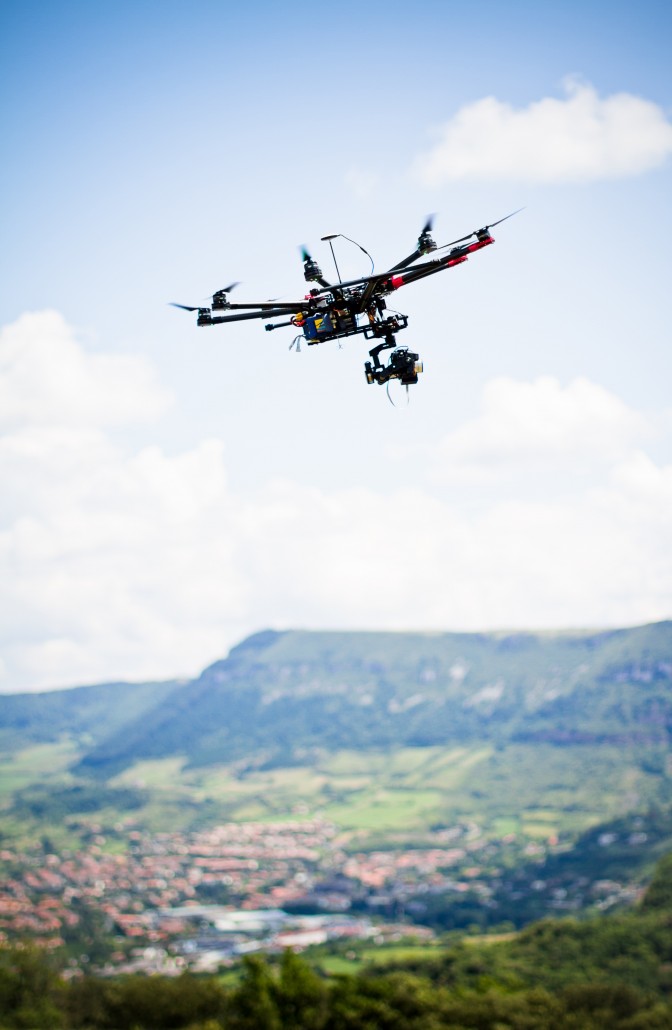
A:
x: 480, y: 232
x: 516, y: 212
x: 227, y: 289
x: 218, y: 300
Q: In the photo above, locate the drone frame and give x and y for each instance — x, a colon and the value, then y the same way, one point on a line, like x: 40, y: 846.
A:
x: 333, y: 311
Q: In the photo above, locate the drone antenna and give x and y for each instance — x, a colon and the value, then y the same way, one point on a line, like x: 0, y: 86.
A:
x: 328, y: 239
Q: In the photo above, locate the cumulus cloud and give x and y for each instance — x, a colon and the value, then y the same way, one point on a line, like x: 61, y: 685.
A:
x: 541, y: 424
x: 121, y: 561
x: 577, y: 138
x: 112, y: 561
x: 413, y: 561
x: 47, y: 378
x: 125, y: 566
x: 570, y: 524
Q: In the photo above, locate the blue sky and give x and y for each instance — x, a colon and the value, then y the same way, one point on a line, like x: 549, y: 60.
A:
x: 169, y: 489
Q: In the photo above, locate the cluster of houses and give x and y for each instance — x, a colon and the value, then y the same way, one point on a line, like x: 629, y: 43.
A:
x: 190, y: 900
x: 156, y: 891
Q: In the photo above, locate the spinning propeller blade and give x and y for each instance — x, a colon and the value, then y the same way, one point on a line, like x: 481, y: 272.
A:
x: 220, y: 299
x: 453, y: 243
x: 199, y: 307
x: 516, y: 212
x: 486, y: 228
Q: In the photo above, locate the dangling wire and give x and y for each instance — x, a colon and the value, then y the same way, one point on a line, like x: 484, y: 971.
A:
x: 387, y: 390
x: 296, y: 342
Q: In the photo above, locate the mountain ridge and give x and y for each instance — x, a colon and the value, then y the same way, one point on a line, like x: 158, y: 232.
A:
x: 283, y: 693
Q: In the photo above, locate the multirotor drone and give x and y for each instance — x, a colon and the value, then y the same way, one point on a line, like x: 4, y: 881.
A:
x: 333, y: 311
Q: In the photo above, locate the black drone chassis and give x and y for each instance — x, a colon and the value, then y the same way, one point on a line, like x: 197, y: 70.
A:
x: 332, y: 311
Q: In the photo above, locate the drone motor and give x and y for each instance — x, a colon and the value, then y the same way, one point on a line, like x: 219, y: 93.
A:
x: 426, y: 242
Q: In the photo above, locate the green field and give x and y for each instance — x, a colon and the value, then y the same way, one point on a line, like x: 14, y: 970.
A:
x: 353, y: 960
x: 535, y: 791
x: 20, y: 768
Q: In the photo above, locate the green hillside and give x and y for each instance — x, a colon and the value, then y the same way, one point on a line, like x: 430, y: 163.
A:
x: 85, y: 714
x: 390, y: 736
x: 282, y: 696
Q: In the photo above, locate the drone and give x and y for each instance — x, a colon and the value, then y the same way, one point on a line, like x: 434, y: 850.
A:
x: 335, y: 311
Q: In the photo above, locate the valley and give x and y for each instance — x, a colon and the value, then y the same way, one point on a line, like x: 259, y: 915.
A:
x: 453, y: 781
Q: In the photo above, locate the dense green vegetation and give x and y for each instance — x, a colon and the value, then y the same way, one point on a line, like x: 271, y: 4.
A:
x: 622, y: 850
x: 608, y: 972
x: 57, y: 803
x: 296, y: 997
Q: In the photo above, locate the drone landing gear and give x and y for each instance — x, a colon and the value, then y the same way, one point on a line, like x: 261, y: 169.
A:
x: 403, y: 364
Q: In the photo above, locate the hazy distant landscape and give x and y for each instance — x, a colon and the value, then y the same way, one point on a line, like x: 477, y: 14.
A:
x: 380, y: 733
x: 454, y: 779
x: 362, y: 795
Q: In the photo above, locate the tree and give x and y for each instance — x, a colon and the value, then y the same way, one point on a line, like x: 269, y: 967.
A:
x: 301, y: 995
x: 659, y: 893
x: 30, y: 990
x: 252, y: 1006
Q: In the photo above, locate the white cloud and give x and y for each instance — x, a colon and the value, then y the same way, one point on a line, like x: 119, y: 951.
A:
x: 531, y: 426
x: 47, y: 378
x: 411, y: 561
x: 578, y: 138
x: 111, y: 562
x: 120, y: 562
x: 124, y: 565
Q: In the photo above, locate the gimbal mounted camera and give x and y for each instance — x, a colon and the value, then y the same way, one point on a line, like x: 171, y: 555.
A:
x: 403, y: 364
